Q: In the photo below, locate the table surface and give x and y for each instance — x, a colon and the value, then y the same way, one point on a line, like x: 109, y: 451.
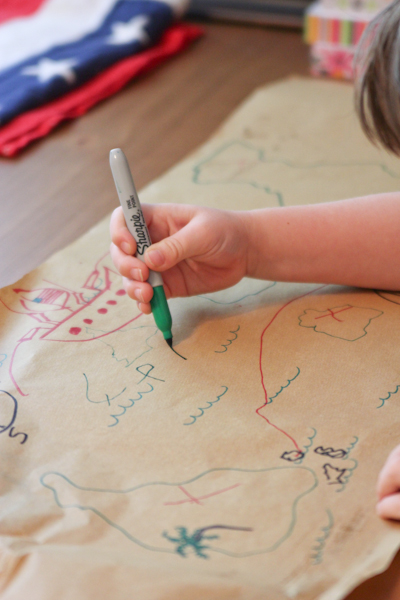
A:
x: 59, y: 187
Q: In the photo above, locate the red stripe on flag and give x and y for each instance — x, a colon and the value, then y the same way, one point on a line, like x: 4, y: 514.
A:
x: 39, y: 122
x: 11, y: 9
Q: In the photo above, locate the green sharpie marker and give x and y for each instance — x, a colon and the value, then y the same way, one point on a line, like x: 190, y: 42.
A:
x: 137, y: 227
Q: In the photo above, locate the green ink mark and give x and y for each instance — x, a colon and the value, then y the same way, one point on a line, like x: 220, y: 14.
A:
x: 318, y: 550
x: 383, y: 400
x: 91, y: 297
x: 229, y: 341
x: 270, y: 285
x: 108, y: 399
x: 348, y: 475
x: 289, y: 381
x: 126, y: 360
x: 195, y: 417
x: 307, y: 446
x: 352, y: 445
x: 63, y: 479
x: 350, y: 326
x: 147, y: 373
x: 185, y: 540
x: 132, y: 402
x: 235, y: 161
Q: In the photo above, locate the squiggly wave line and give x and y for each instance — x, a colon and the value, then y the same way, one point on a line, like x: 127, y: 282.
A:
x: 321, y: 541
x: 347, y: 477
x: 132, y: 402
x: 289, y: 381
x: 129, y: 363
x: 229, y: 341
x: 239, y: 299
x: 195, y: 417
x: 307, y: 447
x: 383, y: 400
x: 108, y: 399
x: 3, y: 358
x: 293, y: 514
x: 285, y: 433
x: 350, y: 448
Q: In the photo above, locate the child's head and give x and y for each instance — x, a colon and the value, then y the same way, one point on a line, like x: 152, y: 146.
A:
x: 378, y: 79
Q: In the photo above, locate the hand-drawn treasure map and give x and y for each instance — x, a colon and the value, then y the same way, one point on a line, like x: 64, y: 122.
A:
x: 247, y: 471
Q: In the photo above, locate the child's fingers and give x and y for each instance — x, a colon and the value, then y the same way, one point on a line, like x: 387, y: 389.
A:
x: 187, y: 242
x: 120, y: 235
x: 144, y: 308
x: 389, y: 507
x: 129, y: 266
x: 389, y: 477
x: 141, y: 292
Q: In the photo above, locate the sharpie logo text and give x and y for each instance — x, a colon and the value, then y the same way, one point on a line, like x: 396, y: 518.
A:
x: 141, y: 233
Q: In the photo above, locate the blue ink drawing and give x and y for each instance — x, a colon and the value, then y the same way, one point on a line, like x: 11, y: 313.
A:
x: 352, y: 446
x: 143, y: 370
x: 383, y: 400
x: 318, y: 549
x: 132, y: 402
x: 107, y: 399
x: 240, y: 299
x: 229, y: 341
x: 241, y: 163
x: 210, y: 537
x: 195, y: 540
x: 210, y: 404
x: 289, y: 381
x: 125, y: 360
x: 347, y: 475
x: 307, y: 447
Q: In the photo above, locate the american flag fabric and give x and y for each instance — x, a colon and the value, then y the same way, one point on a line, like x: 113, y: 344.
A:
x: 60, y: 57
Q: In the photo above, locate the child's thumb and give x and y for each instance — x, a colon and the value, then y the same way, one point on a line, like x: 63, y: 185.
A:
x: 172, y: 250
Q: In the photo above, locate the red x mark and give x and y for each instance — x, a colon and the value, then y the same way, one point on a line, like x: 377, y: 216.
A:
x: 193, y: 499
x: 332, y: 314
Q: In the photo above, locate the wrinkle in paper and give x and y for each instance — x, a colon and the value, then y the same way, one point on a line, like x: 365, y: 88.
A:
x: 247, y: 471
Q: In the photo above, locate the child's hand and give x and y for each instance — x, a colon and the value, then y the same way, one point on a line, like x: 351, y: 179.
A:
x: 388, y: 506
x: 198, y: 250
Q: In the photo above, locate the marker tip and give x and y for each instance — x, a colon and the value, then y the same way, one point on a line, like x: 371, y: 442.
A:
x: 169, y: 342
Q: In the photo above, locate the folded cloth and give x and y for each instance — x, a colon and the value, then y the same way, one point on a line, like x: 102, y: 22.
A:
x: 10, y: 9
x: 53, y: 54
x: 39, y: 122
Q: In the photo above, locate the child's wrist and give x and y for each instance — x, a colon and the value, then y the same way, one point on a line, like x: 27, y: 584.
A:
x: 250, y: 236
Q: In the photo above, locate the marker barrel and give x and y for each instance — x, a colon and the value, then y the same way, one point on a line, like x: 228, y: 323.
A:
x: 161, y: 313
x: 137, y: 227
x: 131, y: 207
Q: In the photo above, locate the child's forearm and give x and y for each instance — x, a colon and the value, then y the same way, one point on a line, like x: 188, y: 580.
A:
x: 352, y: 242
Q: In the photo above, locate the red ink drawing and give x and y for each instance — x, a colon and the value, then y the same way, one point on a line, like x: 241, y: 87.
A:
x: 193, y: 500
x: 262, y: 373
x: 75, y: 330
x: 61, y: 313
x: 333, y: 314
x: 351, y: 326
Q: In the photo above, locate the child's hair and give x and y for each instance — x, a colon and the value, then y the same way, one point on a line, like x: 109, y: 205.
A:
x: 378, y: 79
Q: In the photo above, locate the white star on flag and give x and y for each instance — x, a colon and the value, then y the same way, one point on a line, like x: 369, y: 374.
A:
x: 133, y: 30
x: 47, y: 69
